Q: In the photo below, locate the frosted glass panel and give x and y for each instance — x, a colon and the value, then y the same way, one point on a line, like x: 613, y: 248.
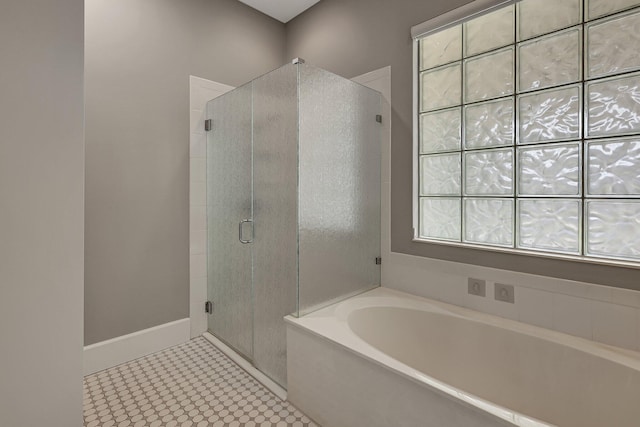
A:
x: 538, y: 17
x: 440, y: 88
x: 613, y: 45
x: 614, y: 106
x: 440, y: 131
x: 613, y: 229
x: 440, y: 175
x: 441, y: 48
x: 440, y: 218
x: 552, y: 115
x: 614, y: 167
x: 552, y: 225
x: 489, y: 76
x: 295, y: 154
x: 339, y: 188
x: 549, y: 61
x: 604, y: 7
x: 229, y: 201
x: 549, y: 170
x: 489, y: 172
x: 275, y: 246
x: 488, y: 221
x: 493, y: 30
x: 489, y: 124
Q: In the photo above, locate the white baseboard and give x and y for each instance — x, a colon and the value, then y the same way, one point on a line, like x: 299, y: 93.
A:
x: 113, y: 352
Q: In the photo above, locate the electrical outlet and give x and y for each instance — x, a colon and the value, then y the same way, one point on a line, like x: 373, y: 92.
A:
x: 476, y: 287
x: 504, y: 293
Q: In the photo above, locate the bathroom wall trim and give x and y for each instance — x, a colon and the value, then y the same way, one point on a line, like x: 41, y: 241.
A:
x: 113, y: 352
x: 380, y: 80
x: 200, y: 92
x: 456, y: 16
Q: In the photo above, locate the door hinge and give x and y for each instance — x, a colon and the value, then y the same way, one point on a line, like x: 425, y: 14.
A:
x: 208, y: 307
x: 378, y: 260
x: 208, y: 125
x: 379, y: 118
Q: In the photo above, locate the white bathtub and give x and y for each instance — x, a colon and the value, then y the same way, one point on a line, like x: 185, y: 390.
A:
x: 385, y: 358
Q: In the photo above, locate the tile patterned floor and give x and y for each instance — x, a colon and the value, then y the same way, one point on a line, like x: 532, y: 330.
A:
x: 193, y: 384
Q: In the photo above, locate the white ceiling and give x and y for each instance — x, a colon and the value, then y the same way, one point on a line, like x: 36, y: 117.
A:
x: 282, y: 10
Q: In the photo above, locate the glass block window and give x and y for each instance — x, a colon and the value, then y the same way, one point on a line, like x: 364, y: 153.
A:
x: 529, y: 129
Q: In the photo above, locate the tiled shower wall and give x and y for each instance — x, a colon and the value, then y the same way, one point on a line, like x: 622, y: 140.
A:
x: 201, y: 91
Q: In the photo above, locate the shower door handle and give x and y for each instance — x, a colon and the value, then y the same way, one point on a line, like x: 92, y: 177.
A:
x: 243, y: 241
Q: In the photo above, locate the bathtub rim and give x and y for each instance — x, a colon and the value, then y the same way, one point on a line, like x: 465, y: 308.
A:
x: 338, y: 332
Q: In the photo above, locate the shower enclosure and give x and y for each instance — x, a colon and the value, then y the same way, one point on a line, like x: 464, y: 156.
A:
x: 293, y: 205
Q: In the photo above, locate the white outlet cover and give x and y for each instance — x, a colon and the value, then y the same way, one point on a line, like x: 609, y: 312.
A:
x: 282, y: 10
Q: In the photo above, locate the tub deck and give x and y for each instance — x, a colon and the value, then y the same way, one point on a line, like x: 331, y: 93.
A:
x: 502, y: 371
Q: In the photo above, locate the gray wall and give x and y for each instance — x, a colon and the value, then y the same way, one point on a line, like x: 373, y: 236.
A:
x: 139, y: 55
x: 41, y: 213
x: 351, y: 37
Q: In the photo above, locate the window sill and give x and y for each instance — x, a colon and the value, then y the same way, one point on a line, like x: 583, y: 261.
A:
x: 534, y: 253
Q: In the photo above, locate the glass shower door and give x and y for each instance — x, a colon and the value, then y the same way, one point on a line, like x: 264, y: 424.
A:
x: 275, y: 172
x: 229, y: 219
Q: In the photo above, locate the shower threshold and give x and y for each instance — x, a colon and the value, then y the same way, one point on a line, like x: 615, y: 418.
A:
x: 247, y: 366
